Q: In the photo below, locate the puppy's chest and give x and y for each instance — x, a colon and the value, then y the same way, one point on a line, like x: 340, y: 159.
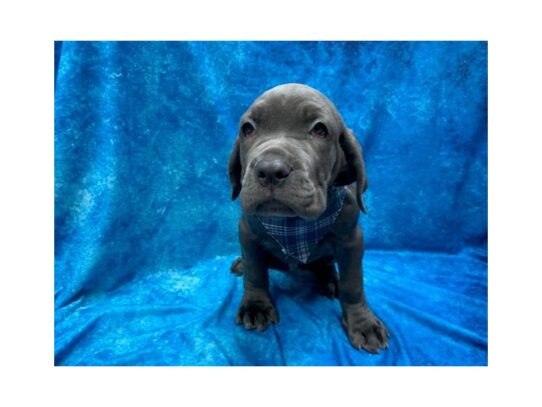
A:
x: 322, y: 249
x: 297, y: 240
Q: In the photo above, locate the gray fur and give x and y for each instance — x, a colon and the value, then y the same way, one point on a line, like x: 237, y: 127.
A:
x: 285, y: 168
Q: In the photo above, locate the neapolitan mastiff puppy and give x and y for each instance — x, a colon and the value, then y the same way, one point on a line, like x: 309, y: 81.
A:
x: 300, y: 174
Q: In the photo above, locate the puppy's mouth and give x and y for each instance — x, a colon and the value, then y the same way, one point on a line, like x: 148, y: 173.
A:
x: 299, y: 199
x: 274, y: 207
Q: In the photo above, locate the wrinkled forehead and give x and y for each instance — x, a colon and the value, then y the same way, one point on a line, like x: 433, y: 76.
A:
x: 291, y: 107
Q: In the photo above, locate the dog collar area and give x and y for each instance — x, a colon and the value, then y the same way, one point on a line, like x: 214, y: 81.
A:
x: 298, y: 237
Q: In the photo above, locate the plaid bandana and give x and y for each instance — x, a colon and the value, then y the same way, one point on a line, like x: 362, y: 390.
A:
x: 298, y: 237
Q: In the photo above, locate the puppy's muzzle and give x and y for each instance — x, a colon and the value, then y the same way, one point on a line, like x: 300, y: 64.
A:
x: 272, y: 170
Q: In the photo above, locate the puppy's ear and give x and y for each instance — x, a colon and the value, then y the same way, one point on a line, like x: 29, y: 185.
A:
x: 353, y: 166
x: 234, y: 171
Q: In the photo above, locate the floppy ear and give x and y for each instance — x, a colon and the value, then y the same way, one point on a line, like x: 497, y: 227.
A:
x: 234, y: 170
x: 353, y: 166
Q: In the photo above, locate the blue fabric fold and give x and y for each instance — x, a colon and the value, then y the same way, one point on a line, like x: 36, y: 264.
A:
x: 145, y: 231
x: 158, y: 320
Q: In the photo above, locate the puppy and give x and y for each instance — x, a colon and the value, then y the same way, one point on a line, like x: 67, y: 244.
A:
x: 300, y: 175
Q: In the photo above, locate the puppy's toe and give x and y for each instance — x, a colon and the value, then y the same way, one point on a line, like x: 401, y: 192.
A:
x: 260, y: 322
x: 272, y: 316
x: 248, y: 323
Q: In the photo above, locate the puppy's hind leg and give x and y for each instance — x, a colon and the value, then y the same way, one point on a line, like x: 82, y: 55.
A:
x: 327, y: 279
x: 237, y: 267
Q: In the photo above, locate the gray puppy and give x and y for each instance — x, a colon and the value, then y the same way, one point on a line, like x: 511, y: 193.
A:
x: 300, y: 174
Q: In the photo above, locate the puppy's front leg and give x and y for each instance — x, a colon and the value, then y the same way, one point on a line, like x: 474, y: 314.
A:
x: 256, y: 309
x: 364, y: 329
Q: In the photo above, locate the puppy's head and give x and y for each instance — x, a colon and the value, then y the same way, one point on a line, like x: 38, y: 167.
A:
x: 291, y: 148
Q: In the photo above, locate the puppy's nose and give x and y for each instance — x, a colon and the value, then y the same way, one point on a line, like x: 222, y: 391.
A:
x: 272, y: 171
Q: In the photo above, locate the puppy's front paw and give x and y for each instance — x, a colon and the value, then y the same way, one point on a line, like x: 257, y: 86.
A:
x: 256, y: 312
x: 364, y: 329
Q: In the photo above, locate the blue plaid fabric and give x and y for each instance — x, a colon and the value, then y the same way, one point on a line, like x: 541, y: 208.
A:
x: 298, y: 237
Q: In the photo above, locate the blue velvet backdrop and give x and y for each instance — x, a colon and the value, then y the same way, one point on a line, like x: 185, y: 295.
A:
x: 145, y: 230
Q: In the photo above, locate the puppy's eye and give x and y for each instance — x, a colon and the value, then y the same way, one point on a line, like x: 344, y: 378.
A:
x: 247, y: 129
x: 319, y: 129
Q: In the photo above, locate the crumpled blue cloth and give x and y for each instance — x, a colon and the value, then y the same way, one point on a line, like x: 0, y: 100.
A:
x: 145, y: 231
